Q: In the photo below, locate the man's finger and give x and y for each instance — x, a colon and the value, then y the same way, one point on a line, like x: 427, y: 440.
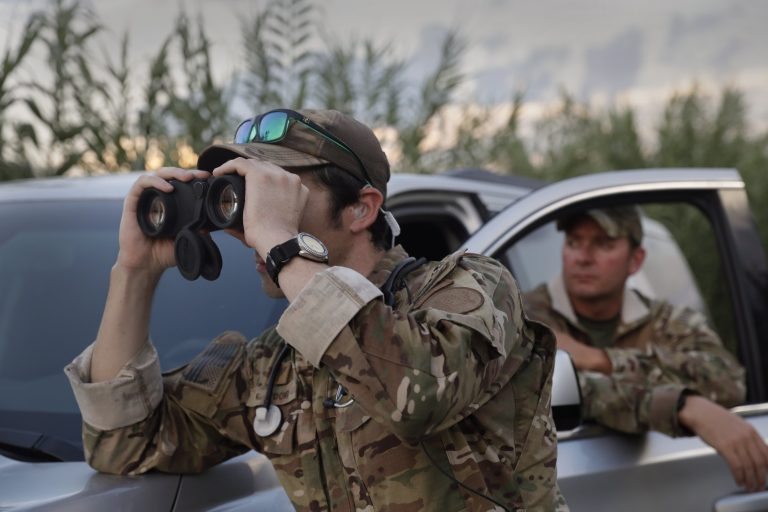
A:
x: 238, y: 165
x: 176, y: 173
x: 760, y: 453
x: 149, y: 180
x: 737, y: 470
x: 749, y: 466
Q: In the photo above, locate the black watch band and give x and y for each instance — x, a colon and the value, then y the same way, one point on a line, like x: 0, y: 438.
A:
x: 304, y: 245
x: 279, y: 255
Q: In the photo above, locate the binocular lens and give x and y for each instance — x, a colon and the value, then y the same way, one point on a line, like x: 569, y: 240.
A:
x: 156, y: 213
x: 224, y: 201
x: 227, y: 203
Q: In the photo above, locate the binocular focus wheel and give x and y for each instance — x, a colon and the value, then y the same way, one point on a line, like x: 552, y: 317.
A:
x: 197, y: 255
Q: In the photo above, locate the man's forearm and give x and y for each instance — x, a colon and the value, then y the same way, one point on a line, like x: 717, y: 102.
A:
x: 587, y: 358
x: 125, y: 323
x: 599, y: 361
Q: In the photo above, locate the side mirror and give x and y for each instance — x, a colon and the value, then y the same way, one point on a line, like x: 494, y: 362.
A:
x: 566, y: 394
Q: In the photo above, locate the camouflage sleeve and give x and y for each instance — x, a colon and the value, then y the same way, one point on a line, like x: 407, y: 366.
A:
x: 644, y: 389
x: 420, y: 370
x: 182, y: 431
x: 686, y: 351
x: 630, y: 406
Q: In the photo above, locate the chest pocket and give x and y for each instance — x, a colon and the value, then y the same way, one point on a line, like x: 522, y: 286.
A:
x: 350, y: 418
x: 284, y: 397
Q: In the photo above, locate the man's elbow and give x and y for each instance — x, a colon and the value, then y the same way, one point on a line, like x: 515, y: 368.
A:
x: 107, y: 465
x: 730, y: 395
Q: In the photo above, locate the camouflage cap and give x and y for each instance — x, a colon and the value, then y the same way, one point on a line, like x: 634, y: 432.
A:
x: 617, y: 221
x: 303, y: 147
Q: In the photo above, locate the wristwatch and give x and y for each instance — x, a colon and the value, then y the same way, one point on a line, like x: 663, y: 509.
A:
x: 304, y: 245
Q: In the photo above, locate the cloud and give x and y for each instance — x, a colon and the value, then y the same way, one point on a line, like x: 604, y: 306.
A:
x: 493, y: 84
x: 725, y: 39
x: 726, y: 56
x: 614, y: 66
x: 535, y: 74
x: 425, y: 58
x: 682, y: 28
x: 495, y: 42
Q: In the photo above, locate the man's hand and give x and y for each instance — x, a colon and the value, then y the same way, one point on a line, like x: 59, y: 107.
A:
x: 275, y: 202
x: 140, y: 263
x: 733, y: 438
x: 585, y: 358
x: 138, y: 251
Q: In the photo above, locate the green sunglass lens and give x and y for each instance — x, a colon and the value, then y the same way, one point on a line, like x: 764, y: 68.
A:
x: 244, y: 132
x: 272, y: 126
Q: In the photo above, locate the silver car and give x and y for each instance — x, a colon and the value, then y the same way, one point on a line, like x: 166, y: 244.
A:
x: 58, y: 239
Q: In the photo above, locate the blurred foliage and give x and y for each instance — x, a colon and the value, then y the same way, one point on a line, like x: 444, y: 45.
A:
x: 13, y: 134
x: 696, y: 238
x: 102, y: 114
x: 278, y: 43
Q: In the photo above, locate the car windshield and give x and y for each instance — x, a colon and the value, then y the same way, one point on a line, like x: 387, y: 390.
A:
x: 55, y: 259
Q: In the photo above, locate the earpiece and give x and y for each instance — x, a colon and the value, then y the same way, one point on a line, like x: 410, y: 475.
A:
x: 360, y: 211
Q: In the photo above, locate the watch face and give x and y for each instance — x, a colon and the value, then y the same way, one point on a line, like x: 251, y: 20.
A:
x: 312, y: 245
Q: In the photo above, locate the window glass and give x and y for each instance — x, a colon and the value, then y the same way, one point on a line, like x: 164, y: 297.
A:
x: 55, y: 260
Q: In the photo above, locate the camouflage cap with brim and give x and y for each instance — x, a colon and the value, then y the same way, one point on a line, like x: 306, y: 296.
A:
x: 617, y: 221
x: 303, y: 147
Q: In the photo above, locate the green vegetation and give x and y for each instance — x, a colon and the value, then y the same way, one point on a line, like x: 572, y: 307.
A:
x: 83, y: 112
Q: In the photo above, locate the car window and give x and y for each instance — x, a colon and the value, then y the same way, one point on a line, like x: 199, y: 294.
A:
x: 682, y: 262
x: 55, y: 260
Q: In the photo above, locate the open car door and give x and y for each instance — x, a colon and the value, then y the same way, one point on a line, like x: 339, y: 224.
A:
x: 600, y: 469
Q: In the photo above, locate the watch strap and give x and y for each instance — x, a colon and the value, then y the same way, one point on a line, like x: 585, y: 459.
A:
x: 279, y: 255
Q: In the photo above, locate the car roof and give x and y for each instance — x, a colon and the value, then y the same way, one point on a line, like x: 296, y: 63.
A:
x: 115, y: 186
x: 112, y: 186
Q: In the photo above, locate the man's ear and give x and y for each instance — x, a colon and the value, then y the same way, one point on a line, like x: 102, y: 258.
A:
x: 636, y: 259
x: 363, y: 213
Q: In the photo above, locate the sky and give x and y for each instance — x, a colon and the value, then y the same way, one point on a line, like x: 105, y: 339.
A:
x: 603, y: 51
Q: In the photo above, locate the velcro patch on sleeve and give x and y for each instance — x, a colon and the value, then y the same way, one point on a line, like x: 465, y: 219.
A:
x: 210, y: 367
x: 455, y: 300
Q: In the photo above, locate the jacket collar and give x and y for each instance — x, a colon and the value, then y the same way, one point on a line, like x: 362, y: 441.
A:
x: 633, y: 308
x: 386, y: 265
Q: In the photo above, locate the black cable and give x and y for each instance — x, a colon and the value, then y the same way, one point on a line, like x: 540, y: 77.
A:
x: 273, y: 375
x: 478, y: 493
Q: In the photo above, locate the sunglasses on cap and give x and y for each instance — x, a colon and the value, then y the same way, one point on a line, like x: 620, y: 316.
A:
x: 273, y: 126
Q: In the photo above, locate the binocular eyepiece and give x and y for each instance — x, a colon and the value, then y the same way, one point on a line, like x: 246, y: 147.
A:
x: 194, y: 206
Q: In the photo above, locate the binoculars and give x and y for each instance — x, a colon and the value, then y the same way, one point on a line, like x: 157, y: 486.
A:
x: 198, y: 205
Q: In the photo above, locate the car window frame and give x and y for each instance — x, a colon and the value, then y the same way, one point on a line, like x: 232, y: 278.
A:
x: 719, y: 193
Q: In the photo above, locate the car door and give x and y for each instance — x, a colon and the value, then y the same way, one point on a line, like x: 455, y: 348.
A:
x: 437, y: 213
x: 600, y: 469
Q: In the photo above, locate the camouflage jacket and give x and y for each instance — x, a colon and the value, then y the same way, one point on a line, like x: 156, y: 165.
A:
x: 658, y: 352
x: 453, y: 378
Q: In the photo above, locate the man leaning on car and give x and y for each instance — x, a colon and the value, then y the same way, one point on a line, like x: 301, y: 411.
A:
x: 437, y: 398
x: 642, y: 364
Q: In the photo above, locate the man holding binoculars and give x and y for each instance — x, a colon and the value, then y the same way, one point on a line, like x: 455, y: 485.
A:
x: 388, y: 383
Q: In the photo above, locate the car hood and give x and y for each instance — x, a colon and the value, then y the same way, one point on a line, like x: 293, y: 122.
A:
x: 74, y: 486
